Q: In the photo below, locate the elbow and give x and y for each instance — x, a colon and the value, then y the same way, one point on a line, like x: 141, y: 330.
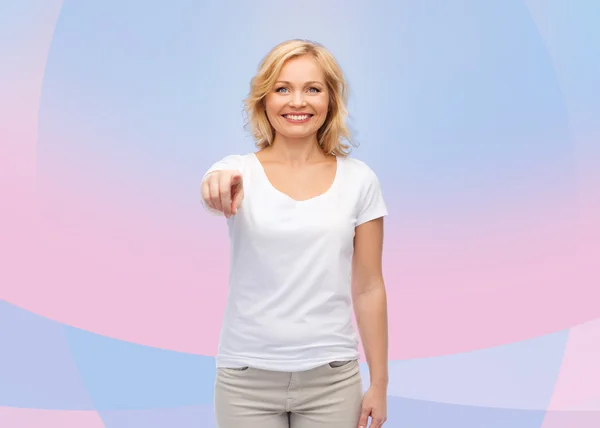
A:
x: 369, y: 286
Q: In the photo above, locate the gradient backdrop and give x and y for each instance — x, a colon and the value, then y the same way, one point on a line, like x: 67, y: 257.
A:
x: 480, y: 117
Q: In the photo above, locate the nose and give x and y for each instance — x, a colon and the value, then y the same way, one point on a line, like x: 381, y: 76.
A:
x: 297, y: 99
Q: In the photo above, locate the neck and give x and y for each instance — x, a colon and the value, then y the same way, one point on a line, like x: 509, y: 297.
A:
x: 296, y: 151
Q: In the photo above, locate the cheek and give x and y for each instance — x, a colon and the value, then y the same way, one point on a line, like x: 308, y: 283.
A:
x: 273, y: 103
x: 272, y: 111
x: 322, y: 105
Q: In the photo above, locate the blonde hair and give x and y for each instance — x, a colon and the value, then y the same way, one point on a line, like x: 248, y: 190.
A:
x: 334, y: 130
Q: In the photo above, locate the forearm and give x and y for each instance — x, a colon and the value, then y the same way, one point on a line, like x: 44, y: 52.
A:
x: 370, y: 307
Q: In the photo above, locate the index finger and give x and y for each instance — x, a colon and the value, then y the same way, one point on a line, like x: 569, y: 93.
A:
x: 364, y: 418
x: 225, y: 191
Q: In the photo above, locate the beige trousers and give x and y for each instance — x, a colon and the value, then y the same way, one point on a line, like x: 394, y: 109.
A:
x: 327, y: 396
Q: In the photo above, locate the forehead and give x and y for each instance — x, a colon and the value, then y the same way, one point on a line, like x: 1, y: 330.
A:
x: 301, y: 69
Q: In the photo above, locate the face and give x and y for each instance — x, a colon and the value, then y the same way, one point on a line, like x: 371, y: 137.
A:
x: 298, y: 103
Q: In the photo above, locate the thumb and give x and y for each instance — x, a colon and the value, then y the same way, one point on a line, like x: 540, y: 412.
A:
x: 364, y: 418
x: 236, y: 178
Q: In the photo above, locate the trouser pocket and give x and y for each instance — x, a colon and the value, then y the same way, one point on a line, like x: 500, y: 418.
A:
x: 335, y: 364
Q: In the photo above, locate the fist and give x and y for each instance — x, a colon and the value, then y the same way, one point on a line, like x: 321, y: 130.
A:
x: 223, y: 191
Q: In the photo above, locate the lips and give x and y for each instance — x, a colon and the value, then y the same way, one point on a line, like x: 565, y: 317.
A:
x: 297, y: 117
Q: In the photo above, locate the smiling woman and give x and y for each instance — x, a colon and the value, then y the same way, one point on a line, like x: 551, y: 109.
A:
x: 300, y: 97
x: 303, y: 218
x: 300, y: 72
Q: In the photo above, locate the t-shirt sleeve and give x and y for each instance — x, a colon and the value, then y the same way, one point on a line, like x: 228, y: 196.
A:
x: 230, y: 162
x: 372, y: 204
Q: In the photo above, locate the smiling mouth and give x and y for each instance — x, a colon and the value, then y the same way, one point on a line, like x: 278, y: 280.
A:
x: 298, y: 118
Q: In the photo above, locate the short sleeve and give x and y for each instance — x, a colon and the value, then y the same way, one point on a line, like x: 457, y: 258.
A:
x: 372, y: 205
x: 230, y: 162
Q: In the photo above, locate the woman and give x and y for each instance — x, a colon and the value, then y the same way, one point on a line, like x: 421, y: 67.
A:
x: 306, y: 231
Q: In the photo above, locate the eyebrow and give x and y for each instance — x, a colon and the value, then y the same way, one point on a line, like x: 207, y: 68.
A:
x: 312, y: 82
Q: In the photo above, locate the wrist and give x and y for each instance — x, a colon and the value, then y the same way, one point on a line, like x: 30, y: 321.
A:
x: 379, y: 383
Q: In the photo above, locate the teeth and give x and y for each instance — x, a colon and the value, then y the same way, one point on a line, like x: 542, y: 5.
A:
x: 294, y: 117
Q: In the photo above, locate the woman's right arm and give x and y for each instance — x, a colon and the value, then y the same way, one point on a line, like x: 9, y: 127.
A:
x: 222, y: 186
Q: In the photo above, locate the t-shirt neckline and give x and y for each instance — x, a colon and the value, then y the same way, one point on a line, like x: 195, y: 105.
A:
x: 288, y: 197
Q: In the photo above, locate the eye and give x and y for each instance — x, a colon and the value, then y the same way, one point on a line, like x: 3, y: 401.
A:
x: 314, y: 90
x: 280, y: 89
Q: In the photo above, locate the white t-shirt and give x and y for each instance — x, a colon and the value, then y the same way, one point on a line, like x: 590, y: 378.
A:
x: 289, y: 305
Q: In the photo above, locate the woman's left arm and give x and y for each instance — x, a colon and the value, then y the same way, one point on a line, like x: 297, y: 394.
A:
x: 370, y: 306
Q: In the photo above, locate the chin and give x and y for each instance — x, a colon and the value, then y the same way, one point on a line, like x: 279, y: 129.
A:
x: 298, y: 135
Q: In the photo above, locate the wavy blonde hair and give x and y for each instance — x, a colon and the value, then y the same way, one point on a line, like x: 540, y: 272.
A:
x: 334, y: 130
